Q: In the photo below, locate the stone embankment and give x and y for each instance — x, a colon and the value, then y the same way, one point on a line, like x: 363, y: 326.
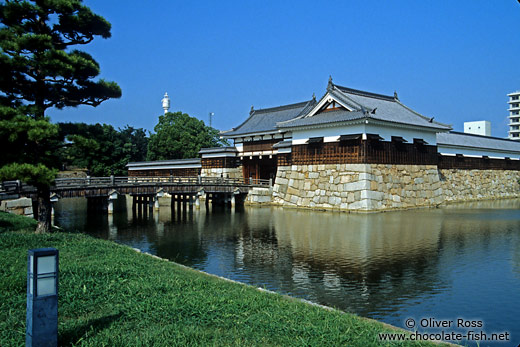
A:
x: 472, y: 185
x: 375, y: 187
x: 21, y: 206
x: 259, y: 196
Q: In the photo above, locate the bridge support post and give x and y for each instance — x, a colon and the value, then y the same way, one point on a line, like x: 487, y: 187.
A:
x: 143, y: 207
x: 111, y: 197
x: 179, y: 203
x: 112, y: 229
x: 54, y: 199
x: 159, y: 194
x: 190, y: 201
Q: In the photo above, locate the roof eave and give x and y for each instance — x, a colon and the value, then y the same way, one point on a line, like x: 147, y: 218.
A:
x: 326, y: 125
x: 431, y: 128
x: 477, y: 148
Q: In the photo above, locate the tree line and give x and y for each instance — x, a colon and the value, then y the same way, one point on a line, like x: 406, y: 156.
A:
x: 104, y: 150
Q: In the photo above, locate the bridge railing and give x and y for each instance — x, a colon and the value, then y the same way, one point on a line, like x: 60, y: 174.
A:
x: 188, y: 180
x: 199, y: 180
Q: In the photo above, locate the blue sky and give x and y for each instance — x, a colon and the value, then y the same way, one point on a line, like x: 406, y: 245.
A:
x: 452, y: 60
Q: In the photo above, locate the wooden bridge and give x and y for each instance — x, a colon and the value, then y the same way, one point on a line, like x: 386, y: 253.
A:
x: 143, y: 189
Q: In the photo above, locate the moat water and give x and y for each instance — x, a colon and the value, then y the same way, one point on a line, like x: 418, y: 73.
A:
x: 457, y: 262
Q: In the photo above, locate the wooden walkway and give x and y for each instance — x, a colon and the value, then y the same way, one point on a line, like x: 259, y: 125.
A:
x: 136, y: 186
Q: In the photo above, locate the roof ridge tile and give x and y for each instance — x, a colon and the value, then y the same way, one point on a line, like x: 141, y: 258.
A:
x: 364, y: 93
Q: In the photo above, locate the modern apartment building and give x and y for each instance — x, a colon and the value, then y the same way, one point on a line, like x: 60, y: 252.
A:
x: 514, y: 115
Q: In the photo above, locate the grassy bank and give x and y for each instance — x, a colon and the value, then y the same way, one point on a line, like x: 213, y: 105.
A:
x: 111, y: 295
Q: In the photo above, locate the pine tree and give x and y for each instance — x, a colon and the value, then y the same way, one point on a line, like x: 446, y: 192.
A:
x: 40, y: 69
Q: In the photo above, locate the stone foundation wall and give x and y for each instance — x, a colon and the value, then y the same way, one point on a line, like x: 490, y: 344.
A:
x: 21, y: 206
x: 471, y: 185
x: 222, y: 172
x: 375, y: 187
x: 258, y: 196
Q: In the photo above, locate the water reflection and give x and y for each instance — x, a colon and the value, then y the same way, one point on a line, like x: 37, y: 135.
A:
x: 458, y: 261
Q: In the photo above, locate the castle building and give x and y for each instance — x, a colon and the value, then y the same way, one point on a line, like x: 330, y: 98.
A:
x: 344, y: 126
x: 360, y: 151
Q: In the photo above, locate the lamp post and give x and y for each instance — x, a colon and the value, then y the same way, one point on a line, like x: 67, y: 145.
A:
x: 42, y: 297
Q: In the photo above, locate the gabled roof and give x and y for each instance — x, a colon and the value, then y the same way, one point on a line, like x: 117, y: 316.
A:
x: 363, y: 105
x: 264, y: 120
x: 458, y: 139
x: 355, y: 105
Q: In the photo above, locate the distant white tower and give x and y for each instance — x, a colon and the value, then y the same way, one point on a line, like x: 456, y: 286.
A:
x: 166, y: 103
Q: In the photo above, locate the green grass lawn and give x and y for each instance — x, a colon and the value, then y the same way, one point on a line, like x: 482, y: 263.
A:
x: 13, y: 222
x: 111, y: 295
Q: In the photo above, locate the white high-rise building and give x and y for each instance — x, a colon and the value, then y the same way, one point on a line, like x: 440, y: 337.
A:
x: 514, y: 115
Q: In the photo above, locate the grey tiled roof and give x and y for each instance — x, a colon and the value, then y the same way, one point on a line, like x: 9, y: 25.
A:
x: 323, y: 118
x: 363, y: 105
x: 389, y: 109
x: 218, y: 150
x: 164, y: 162
x: 265, y: 120
x: 469, y: 140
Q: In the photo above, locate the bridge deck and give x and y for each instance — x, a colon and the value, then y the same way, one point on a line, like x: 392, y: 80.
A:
x: 103, y: 186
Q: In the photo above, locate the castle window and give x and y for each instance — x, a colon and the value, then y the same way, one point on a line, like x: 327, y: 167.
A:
x: 398, y: 139
x: 315, y: 140
x: 374, y: 137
